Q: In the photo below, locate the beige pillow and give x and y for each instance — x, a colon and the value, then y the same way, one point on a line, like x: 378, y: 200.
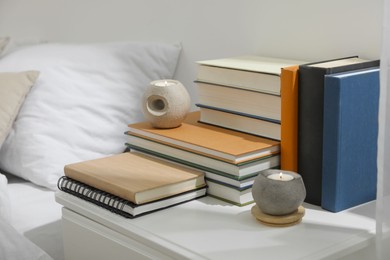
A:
x: 14, y: 87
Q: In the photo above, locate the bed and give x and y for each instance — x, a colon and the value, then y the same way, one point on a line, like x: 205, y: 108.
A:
x: 38, y: 236
x: 61, y: 104
x: 81, y: 77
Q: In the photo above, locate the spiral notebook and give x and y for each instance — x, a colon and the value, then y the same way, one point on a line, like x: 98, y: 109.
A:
x: 121, y: 206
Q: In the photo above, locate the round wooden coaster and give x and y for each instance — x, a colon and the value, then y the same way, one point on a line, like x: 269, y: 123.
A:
x: 279, y: 221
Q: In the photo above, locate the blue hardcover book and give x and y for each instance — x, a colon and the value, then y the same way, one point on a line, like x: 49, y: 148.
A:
x: 351, y: 103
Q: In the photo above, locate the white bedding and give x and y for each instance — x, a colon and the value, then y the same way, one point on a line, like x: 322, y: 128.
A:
x: 33, y: 215
x: 81, y: 99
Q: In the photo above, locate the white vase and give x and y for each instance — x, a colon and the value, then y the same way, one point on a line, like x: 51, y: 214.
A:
x: 166, y: 103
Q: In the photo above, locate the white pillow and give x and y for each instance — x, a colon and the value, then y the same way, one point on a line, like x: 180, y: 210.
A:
x: 80, y: 105
x: 8, y: 44
x: 5, y: 204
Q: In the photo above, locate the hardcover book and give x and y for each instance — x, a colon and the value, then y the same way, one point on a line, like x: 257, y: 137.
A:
x: 247, y: 72
x: 121, y: 206
x: 351, y: 103
x: 238, y: 171
x: 223, y: 178
x: 240, y: 122
x: 289, y: 118
x: 216, y: 142
x: 310, y: 118
x: 236, y: 100
x: 136, y: 177
x: 234, y: 195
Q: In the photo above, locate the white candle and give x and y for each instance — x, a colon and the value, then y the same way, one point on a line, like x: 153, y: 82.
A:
x: 280, y: 177
x: 164, y: 83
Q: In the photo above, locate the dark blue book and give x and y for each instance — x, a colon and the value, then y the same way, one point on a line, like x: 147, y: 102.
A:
x: 349, y: 172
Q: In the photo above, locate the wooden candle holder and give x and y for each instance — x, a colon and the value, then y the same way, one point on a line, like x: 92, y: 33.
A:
x: 279, y: 221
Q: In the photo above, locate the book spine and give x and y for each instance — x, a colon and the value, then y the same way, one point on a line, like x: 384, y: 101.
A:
x: 289, y: 118
x: 331, y: 144
x: 95, y: 196
x: 310, y: 118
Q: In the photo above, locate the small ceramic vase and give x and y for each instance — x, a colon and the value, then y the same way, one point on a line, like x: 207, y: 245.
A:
x: 166, y: 103
x: 278, y: 192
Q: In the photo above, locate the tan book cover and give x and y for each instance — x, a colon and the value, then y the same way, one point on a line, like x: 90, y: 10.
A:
x: 136, y: 177
x: 216, y: 142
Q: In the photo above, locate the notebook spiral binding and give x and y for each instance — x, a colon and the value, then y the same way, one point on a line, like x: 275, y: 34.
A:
x: 98, y: 197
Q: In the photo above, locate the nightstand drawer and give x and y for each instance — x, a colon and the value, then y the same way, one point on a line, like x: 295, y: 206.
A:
x: 86, y: 239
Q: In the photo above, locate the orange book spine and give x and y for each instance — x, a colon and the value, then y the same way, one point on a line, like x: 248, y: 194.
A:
x: 289, y: 118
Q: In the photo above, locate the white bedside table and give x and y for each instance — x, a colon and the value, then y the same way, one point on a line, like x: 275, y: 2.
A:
x: 211, y: 229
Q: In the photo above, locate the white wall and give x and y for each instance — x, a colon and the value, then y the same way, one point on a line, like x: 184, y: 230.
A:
x: 299, y: 29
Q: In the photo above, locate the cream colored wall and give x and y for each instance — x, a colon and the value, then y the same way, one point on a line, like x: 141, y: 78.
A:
x: 299, y: 29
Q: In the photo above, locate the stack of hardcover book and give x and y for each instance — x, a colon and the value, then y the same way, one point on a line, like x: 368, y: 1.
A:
x: 242, y: 93
x: 255, y: 95
x: 252, y: 94
x: 230, y: 159
x: 132, y: 184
